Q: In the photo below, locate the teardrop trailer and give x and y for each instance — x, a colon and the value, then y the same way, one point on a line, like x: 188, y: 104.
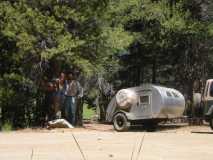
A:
x: 146, y: 104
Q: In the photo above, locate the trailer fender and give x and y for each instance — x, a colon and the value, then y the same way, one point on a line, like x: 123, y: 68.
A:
x: 209, y: 114
x: 119, y: 111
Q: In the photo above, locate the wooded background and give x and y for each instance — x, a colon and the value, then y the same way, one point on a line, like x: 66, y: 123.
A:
x: 125, y: 42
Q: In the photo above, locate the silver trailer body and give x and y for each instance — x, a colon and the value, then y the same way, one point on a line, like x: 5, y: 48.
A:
x: 147, y: 102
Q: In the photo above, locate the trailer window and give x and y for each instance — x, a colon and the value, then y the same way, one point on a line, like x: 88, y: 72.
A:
x: 144, y: 99
x: 207, y: 88
x: 211, y: 90
x: 175, y: 94
x: 168, y: 94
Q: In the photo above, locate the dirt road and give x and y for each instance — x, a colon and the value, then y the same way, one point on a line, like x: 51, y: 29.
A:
x: 100, y: 142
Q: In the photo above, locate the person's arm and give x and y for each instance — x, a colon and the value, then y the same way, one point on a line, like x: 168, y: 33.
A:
x: 80, y: 90
x: 49, y: 87
x: 65, y: 87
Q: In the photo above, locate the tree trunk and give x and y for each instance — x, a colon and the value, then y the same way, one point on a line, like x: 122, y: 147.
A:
x: 154, y: 71
x: 138, y: 75
x: 142, y: 75
x: 79, y: 112
x: 102, y: 113
x: 190, y: 98
x: 1, y: 117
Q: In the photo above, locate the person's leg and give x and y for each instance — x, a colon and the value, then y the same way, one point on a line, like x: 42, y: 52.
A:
x: 58, y: 111
x: 67, y: 108
x: 70, y: 110
x: 56, y: 107
x: 62, y: 106
x: 73, y: 110
x: 49, y: 113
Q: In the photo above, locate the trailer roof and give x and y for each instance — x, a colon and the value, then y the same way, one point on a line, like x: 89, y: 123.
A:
x: 164, y: 91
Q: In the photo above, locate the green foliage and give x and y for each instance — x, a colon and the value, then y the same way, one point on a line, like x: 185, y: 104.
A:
x: 166, y: 33
x: 6, y: 127
x: 72, y: 33
x: 159, y: 41
x: 88, y: 113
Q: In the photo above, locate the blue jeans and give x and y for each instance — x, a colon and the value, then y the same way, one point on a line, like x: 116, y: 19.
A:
x: 70, y: 109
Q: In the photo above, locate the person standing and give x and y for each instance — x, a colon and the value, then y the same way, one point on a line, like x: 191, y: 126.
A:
x: 49, y: 89
x: 72, y: 91
x: 59, y: 95
x: 79, y: 105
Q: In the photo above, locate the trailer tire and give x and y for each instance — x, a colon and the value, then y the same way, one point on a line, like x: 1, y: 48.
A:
x: 120, y: 122
x: 211, y: 123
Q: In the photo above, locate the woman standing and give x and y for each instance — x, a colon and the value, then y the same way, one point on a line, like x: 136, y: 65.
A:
x: 59, y: 96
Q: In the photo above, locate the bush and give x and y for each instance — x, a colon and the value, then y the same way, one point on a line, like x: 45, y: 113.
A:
x: 7, y: 127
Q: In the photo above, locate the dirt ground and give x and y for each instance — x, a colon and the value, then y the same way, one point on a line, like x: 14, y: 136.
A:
x: 93, y: 126
x: 100, y: 142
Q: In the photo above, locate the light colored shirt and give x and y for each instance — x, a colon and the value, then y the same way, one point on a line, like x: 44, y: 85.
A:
x: 74, y: 89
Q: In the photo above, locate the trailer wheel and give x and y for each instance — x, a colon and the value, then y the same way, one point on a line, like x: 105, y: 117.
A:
x: 120, y: 122
x: 211, y: 123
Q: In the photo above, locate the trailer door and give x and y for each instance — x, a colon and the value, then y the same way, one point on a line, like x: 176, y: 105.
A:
x: 144, y: 108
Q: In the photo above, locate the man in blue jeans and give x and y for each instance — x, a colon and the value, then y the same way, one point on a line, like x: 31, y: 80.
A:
x: 72, y: 90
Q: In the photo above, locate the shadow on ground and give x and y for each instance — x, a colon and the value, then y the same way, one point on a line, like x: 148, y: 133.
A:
x: 201, y: 132
x: 161, y: 127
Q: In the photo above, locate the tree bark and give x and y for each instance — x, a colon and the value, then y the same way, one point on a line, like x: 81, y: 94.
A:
x: 79, y: 112
x: 154, y: 71
x: 190, y: 97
